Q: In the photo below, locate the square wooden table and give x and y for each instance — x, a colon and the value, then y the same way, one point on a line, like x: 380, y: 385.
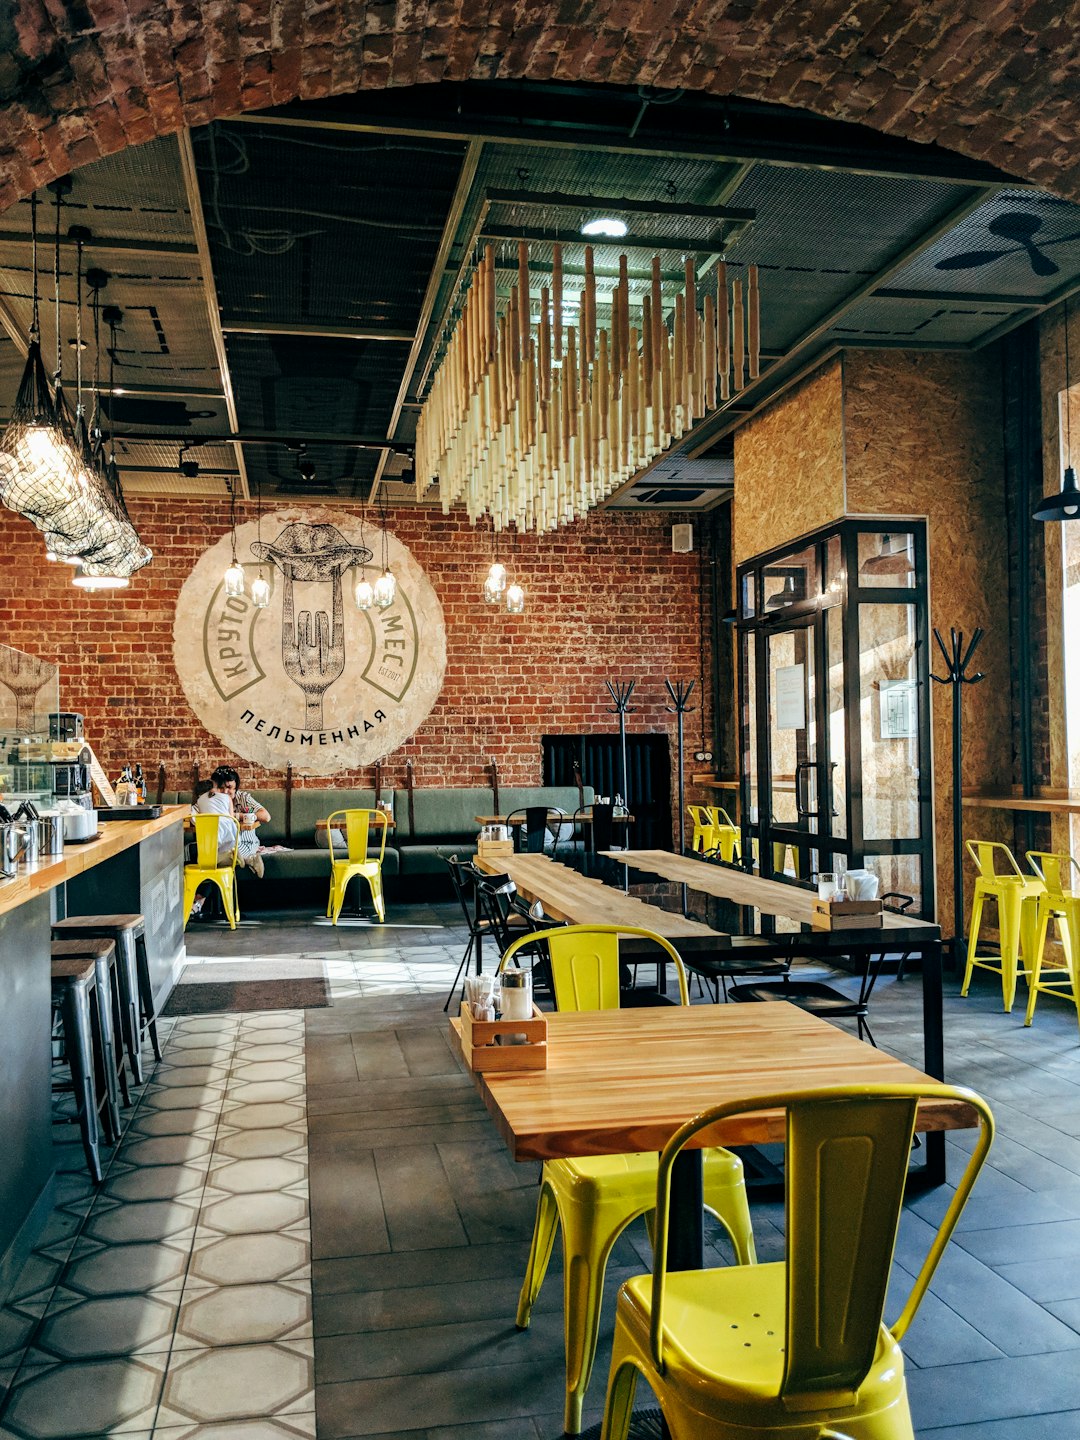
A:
x: 619, y: 1081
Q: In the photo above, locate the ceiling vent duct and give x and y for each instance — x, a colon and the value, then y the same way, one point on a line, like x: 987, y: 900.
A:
x: 682, y: 539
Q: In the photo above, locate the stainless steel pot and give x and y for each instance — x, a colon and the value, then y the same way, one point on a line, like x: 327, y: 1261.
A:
x: 31, y: 831
x: 51, y: 834
x: 11, y: 845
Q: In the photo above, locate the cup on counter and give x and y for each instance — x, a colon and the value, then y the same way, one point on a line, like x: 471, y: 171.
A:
x: 826, y: 885
x: 248, y: 822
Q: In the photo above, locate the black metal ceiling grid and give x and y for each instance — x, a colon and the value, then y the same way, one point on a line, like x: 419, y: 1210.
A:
x: 137, y: 194
x: 321, y: 228
x: 340, y: 473
x: 945, y: 323
x: 159, y: 456
x: 174, y: 414
x: 328, y: 387
x: 1019, y: 243
x: 819, y: 234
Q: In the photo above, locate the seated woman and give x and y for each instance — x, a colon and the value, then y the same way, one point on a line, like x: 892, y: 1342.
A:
x: 226, y: 798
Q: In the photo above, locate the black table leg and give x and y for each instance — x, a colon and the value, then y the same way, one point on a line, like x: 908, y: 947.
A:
x: 933, y: 1052
x: 686, y: 1234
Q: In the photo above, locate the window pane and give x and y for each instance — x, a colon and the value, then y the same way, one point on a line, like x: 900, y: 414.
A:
x: 887, y: 560
x: 889, y: 722
x: 791, y: 580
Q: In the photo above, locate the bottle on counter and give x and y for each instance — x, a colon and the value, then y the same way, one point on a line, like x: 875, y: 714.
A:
x: 140, y: 784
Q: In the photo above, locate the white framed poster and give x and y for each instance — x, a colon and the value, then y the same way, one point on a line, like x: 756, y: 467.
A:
x: 898, y: 713
x: 789, y: 697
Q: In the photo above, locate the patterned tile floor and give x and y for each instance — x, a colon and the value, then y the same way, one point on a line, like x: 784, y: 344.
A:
x: 205, y: 1293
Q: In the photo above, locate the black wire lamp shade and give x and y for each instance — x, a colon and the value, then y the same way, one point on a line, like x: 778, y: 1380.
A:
x: 41, y: 483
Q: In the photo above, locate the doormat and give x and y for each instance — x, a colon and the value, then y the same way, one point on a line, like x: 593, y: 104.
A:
x: 195, y: 996
x: 644, y: 1425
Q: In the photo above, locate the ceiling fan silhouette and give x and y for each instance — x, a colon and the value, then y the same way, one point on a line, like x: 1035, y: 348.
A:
x: 1020, y: 227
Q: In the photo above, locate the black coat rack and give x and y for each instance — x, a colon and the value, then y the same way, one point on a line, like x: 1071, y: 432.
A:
x: 680, y: 705
x: 957, y: 660
x: 620, y: 691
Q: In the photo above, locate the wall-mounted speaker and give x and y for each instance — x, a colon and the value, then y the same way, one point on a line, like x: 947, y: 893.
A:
x: 682, y: 539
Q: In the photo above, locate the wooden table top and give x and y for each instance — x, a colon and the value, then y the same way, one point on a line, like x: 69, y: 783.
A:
x: 583, y: 817
x: 320, y: 825
x: 566, y: 894
x: 114, y: 836
x: 774, y: 897
x: 1040, y: 805
x: 619, y: 1081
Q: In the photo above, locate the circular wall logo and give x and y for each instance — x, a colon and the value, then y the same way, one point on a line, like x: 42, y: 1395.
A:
x: 311, y: 680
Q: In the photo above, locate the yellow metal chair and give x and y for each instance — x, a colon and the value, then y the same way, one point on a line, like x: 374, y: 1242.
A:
x: 594, y: 1199
x: 357, y: 861
x: 1015, y: 894
x: 702, y: 838
x: 794, y: 1350
x: 208, y: 867
x: 1061, y: 904
x: 725, y: 833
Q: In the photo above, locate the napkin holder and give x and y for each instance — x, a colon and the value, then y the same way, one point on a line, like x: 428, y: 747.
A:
x: 847, y: 915
x: 482, y: 1048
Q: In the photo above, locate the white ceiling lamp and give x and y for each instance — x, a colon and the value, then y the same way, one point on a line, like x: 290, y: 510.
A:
x: 606, y: 226
x: 385, y: 585
x: 99, y: 582
x: 364, y: 591
x: 234, y: 575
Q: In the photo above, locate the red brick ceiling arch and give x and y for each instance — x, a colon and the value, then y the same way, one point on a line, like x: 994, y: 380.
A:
x: 996, y: 80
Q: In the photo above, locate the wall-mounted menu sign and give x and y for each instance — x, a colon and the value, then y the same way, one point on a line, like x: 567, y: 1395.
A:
x: 789, y: 697
x: 311, y: 680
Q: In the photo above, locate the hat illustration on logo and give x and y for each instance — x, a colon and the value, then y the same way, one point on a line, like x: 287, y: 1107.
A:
x: 312, y: 660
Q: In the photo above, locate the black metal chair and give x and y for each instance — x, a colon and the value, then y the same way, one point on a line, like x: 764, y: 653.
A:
x: 465, y: 877
x: 597, y: 825
x: 541, y: 830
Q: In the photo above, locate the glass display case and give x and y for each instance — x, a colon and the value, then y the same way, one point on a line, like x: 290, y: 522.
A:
x: 29, y: 694
x: 835, y: 708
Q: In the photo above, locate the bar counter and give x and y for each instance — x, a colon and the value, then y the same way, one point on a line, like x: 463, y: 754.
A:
x: 132, y: 866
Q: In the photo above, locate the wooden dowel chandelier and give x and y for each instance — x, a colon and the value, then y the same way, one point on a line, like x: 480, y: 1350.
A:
x: 534, y: 420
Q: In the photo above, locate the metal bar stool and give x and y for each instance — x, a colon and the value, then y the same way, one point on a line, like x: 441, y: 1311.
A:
x: 80, y: 1000
x: 103, y: 953
x: 128, y: 932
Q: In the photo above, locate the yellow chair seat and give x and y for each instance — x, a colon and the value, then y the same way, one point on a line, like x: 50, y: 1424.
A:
x: 724, y: 1351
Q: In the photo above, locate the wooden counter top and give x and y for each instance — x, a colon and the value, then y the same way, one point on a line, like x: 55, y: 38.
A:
x: 1038, y: 804
x: 114, y: 837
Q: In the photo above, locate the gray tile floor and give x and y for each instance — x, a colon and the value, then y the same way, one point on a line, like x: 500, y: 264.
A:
x: 419, y: 1227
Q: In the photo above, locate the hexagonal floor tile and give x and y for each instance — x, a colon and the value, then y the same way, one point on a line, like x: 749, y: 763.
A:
x: 96, y: 1269
x: 244, y: 1315
x: 257, y: 1092
x: 262, y: 1117
x: 76, y: 1328
x: 244, y: 1259
x: 292, y: 1427
x: 234, y: 1382
x: 262, y: 1144
x: 143, y: 1220
x: 99, y: 1397
x: 249, y: 1214
x: 165, y: 1149
x: 156, y: 1182
x: 192, y: 1121
x: 243, y: 1177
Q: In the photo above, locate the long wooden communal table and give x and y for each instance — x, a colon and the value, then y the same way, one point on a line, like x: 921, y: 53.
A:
x: 568, y: 895
x: 619, y: 1081
x: 794, y: 902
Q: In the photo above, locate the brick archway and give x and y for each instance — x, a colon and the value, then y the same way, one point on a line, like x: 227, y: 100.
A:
x: 995, y: 80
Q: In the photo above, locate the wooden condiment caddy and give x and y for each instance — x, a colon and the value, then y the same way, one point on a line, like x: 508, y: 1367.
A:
x: 847, y: 915
x: 481, y: 1047
x: 494, y: 849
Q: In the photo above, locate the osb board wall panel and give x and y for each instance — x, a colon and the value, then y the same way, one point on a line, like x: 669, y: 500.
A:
x: 789, y: 464
x: 923, y: 437
x: 606, y: 598
x: 1061, y: 543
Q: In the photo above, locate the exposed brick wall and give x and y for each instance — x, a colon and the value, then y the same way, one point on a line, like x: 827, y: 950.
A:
x: 606, y: 599
x: 992, y: 79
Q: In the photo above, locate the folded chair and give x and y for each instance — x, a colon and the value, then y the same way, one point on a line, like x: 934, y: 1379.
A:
x: 795, y: 1350
x: 594, y: 1199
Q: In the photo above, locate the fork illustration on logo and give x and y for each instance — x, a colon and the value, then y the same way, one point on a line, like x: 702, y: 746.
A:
x: 312, y: 655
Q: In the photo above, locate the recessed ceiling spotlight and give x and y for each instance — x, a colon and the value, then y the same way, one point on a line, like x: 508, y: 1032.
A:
x: 605, y: 225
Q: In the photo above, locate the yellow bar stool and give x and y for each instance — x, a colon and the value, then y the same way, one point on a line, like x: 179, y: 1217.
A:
x: 1060, y: 904
x: 725, y: 833
x: 1015, y: 894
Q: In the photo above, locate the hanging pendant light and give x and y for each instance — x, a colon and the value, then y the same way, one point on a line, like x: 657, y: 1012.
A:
x: 385, y: 592
x: 234, y: 575
x: 495, y: 583
x: 1065, y: 505
x: 363, y: 592
x: 783, y: 598
x: 515, y: 599
x: 888, y: 561
x: 261, y: 589
x: 41, y: 478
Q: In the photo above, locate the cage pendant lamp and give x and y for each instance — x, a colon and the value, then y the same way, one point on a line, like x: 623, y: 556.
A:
x: 234, y: 575
x: 385, y: 591
x: 37, y: 473
x: 1065, y: 505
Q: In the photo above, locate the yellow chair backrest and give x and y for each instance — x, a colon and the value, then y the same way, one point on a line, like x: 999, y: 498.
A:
x: 207, y: 844
x: 585, y: 963
x: 357, y: 828
x: 986, y: 853
x: 719, y: 816
x: 699, y: 814
x: 1055, y: 870
x: 846, y: 1166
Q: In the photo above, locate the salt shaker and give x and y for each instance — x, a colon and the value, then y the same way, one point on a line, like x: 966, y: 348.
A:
x: 516, y: 1000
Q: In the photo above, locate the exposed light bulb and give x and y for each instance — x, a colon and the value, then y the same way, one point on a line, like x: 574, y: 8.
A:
x: 385, y: 590
x: 492, y: 593
x: 234, y: 581
x: 605, y: 225
x: 260, y: 592
x: 515, y: 600
x: 364, y: 595
x: 496, y: 577
x: 100, y: 582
